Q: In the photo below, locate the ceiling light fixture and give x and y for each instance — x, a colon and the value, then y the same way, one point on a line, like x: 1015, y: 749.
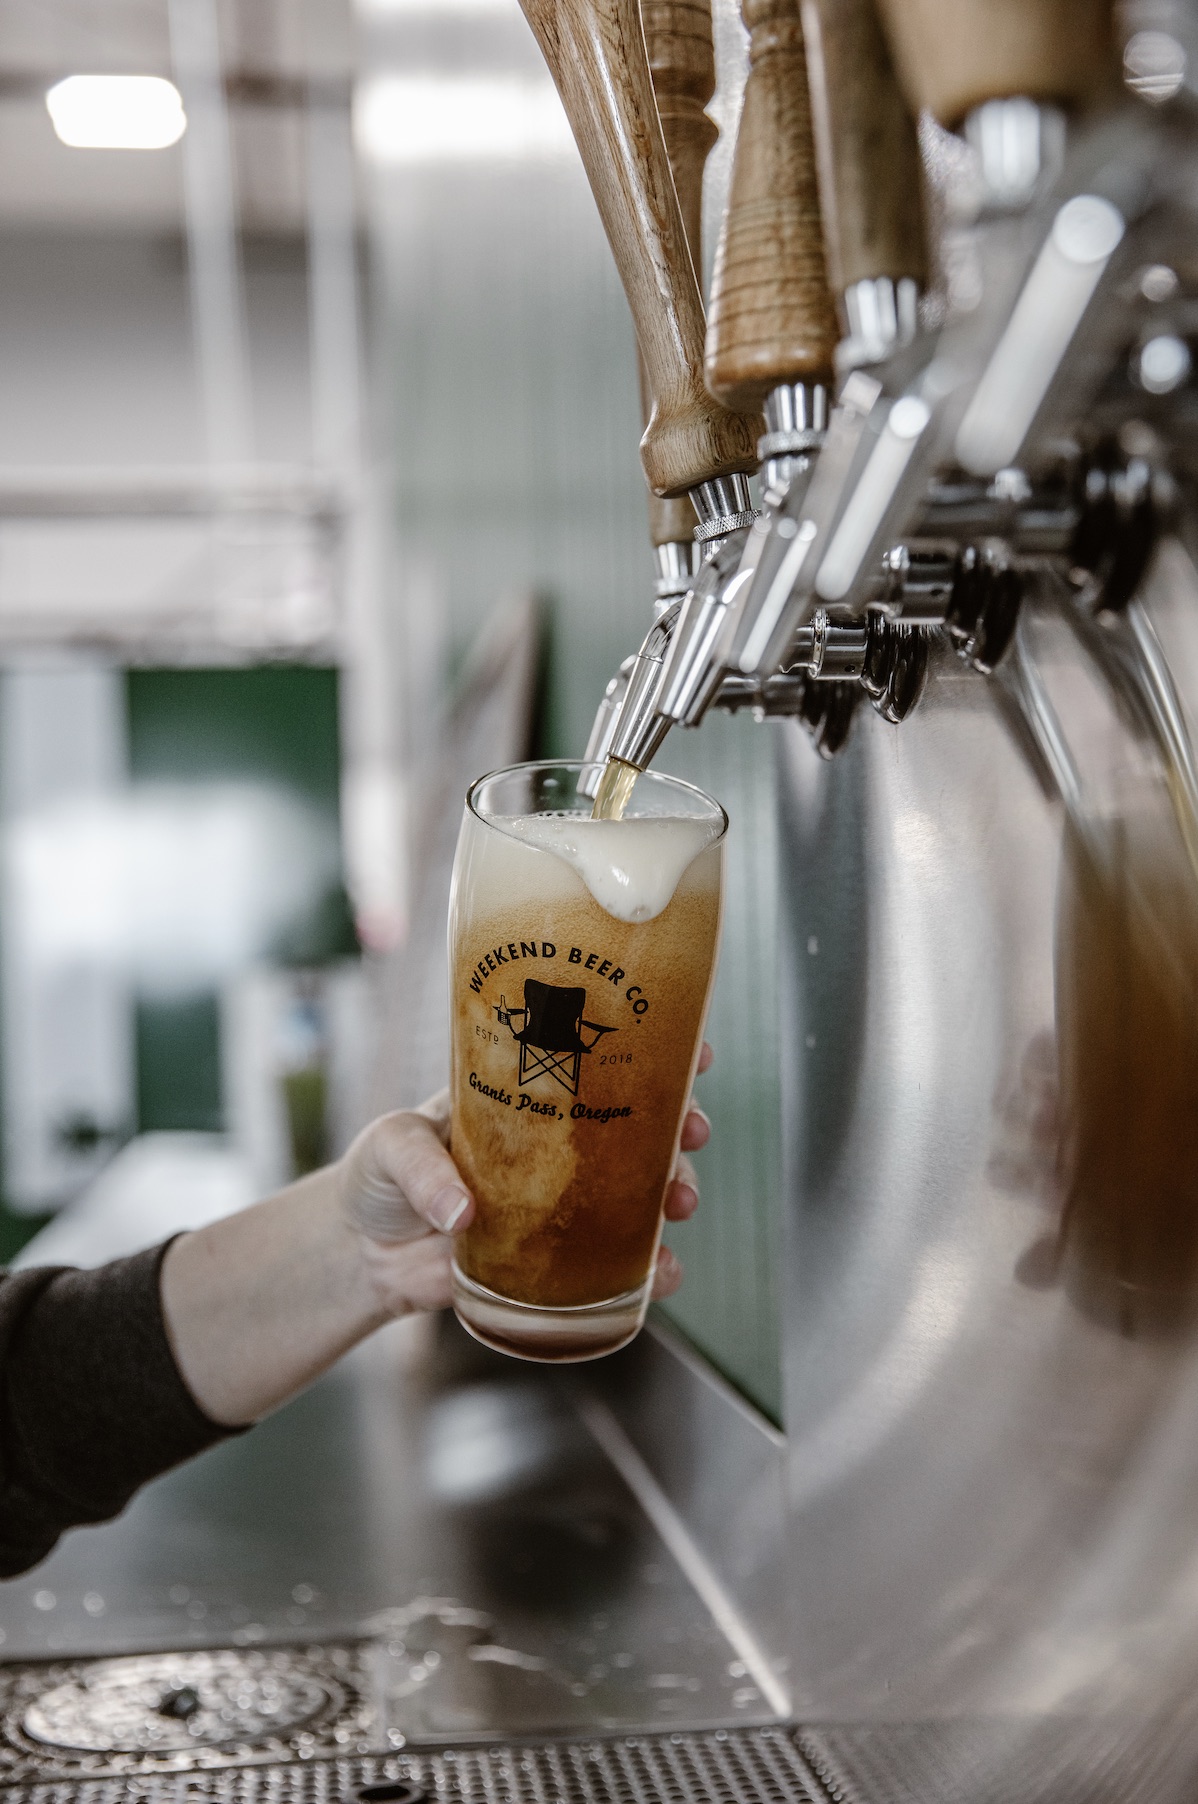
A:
x: 454, y: 119
x: 116, y: 112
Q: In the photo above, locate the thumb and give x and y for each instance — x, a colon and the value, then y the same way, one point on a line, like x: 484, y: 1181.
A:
x: 398, y: 1180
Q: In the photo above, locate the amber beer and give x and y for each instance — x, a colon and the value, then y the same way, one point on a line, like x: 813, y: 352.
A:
x: 582, y: 954
x: 1127, y: 1017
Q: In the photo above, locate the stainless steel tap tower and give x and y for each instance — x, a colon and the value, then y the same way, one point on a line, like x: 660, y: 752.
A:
x: 976, y: 514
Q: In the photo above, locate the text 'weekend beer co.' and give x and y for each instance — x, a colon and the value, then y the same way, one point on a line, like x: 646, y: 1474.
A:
x: 581, y: 959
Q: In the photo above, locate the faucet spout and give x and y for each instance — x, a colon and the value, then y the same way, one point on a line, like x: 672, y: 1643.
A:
x: 678, y: 671
x: 697, y: 659
x: 604, y: 726
x: 637, y: 729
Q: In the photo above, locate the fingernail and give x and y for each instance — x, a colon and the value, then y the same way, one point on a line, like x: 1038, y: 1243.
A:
x: 688, y: 1196
x: 448, y: 1207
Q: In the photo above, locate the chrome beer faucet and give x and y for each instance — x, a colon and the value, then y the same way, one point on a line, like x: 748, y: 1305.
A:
x: 774, y: 339
x: 771, y: 343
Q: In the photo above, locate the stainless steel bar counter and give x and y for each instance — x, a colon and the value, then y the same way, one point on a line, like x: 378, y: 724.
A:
x: 436, y: 1532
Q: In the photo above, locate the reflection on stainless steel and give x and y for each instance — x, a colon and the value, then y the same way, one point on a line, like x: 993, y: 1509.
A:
x: 677, y: 565
x: 882, y: 315
x: 724, y: 505
x: 1127, y: 1025
x: 1085, y: 235
x: 1154, y: 682
x: 1019, y: 147
x: 1126, y: 964
x: 992, y: 1466
x: 484, y: 1441
x: 872, y: 497
x: 1025, y: 678
x: 796, y: 418
x: 673, y: 1530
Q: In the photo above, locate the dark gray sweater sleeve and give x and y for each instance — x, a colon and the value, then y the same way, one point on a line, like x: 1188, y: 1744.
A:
x: 92, y: 1403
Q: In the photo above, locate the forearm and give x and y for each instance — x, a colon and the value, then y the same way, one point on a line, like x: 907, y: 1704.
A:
x: 110, y: 1377
x: 91, y: 1400
x: 258, y: 1305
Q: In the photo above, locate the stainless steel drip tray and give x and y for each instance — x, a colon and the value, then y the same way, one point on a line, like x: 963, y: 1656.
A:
x: 735, y: 1766
x: 1048, y: 1761
x: 306, y: 1725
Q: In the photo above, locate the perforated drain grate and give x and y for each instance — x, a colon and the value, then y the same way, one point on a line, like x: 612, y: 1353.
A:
x: 155, y: 1713
x: 734, y: 1766
x: 1049, y: 1760
x: 161, y: 1703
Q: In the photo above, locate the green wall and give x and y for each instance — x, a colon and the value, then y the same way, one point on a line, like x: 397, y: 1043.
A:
x: 178, y: 1051
x: 275, y: 725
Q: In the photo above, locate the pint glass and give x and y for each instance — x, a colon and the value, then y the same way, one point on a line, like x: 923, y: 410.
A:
x: 581, y: 958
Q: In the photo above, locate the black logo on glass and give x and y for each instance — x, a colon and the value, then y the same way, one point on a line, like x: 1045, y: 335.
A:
x: 550, y: 1032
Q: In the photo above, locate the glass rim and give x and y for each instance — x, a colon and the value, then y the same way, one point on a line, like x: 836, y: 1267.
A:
x: 581, y: 764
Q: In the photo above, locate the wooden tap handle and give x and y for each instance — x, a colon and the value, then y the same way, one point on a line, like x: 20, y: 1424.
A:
x: 681, y: 55
x: 678, y: 43
x: 596, y: 54
x: 772, y: 318
x: 671, y: 521
x: 871, y: 177
x: 954, y: 54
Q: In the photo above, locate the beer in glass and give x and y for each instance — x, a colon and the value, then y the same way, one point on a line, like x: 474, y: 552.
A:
x: 581, y: 956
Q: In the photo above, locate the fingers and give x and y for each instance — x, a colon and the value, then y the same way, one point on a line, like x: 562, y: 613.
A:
x: 668, y: 1275
x: 682, y: 1193
x: 696, y: 1129
x: 398, y: 1181
x: 409, y: 1154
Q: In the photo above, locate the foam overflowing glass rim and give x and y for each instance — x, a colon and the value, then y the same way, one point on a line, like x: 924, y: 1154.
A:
x: 631, y: 879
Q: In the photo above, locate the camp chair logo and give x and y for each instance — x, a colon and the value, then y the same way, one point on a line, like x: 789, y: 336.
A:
x: 551, y: 1032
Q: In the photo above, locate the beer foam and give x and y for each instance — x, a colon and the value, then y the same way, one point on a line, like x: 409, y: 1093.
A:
x: 631, y: 867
